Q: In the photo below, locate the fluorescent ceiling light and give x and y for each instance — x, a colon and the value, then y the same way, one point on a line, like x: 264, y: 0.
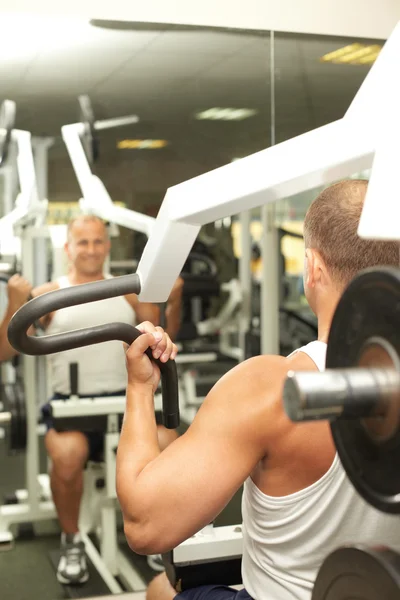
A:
x: 141, y: 144
x: 226, y: 114
x: 353, y: 54
x: 24, y: 35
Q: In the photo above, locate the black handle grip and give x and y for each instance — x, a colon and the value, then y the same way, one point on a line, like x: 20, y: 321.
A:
x: 82, y: 294
x: 73, y: 379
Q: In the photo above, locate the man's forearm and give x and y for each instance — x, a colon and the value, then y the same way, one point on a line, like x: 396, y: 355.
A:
x: 138, y: 445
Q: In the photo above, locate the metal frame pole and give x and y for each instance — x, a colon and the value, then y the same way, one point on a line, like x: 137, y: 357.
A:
x: 269, y: 249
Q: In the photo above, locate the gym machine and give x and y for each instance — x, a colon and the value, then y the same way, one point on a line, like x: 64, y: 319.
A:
x: 359, y: 393
x: 308, y: 161
x: 109, y: 562
x: 98, y: 514
x: 224, y: 543
x: 199, y: 272
x: 207, y: 342
x: 311, y: 160
x: 297, y: 323
x: 82, y: 144
x: 28, y: 209
x: 22, y: 232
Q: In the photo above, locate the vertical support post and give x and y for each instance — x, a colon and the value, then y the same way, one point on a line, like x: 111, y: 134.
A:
x: 245, y: 280
x: 78, y: 158
x: 40, y: 155
x: 269, y: 283
x: 40, y: 245
x: 30, y: 388
x: 269, y: 249
x: 8, y: 197
x: 9, y: 173
x: 108, y: 542
x: 26, y: 167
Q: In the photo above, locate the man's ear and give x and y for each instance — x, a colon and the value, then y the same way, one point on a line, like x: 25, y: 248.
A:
x: 66, y: 247
x: 320, y: 272
x: 309, y: 268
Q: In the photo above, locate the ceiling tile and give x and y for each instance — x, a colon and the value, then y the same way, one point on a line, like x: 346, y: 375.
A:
x: 216, y: 43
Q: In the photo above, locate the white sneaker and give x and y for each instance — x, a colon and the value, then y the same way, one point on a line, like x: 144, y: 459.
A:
x: 72, y: 568
x: 155, y: 562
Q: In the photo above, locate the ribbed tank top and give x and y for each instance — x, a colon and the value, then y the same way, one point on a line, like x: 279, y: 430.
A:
x: 101, y: 367
x: 285, y: 539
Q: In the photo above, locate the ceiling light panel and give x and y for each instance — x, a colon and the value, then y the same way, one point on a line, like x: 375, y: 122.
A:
x: 225, y: 114
x: 141, y: 144
x: 353, y: 54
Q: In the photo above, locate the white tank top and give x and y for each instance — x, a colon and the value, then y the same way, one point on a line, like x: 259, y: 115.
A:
x: 285, y: 539
x: 101, y: 367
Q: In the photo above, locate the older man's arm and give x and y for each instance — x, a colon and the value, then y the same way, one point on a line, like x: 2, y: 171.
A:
x: 173, y: 311
x: 18, y: 290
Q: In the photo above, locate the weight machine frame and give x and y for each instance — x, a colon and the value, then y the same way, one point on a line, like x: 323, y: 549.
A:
x: 208, y: 544
x: 95, y: 198
x: 370, y: 129
x: 27, y: 220
x: 316, y: 158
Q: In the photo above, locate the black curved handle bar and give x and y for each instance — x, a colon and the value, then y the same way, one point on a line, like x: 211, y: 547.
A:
x: 82, y: 294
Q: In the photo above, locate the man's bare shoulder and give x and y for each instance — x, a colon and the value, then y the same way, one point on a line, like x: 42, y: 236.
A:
x: 253, y: 389
x: 44, y: 288
x: 266, y: 371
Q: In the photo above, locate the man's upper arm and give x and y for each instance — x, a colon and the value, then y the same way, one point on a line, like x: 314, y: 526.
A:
x: 195, y: 477
x: 44, y: 288
x: 145, y: 311
x: 174, y: 309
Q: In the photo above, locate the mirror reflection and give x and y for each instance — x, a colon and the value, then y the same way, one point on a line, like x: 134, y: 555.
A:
x: 142, y: 108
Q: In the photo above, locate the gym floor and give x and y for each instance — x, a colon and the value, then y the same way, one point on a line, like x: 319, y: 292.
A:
x: 26, y: 570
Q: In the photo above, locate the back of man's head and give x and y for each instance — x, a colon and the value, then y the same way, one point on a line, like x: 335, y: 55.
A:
x: 330, y: 227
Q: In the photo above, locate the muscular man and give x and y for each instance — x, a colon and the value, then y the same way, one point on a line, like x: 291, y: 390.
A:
x: 18, y: 290
x: 101, y: 372
x: 298, y: 504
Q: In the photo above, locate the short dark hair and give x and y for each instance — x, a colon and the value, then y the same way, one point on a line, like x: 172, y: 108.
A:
x: 330, y: 227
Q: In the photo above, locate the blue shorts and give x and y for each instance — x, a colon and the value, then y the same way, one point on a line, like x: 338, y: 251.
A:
x: 213, y: 592
x: 95, y: 438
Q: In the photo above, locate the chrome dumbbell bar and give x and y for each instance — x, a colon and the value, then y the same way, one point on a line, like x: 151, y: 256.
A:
x: 349, y: 393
